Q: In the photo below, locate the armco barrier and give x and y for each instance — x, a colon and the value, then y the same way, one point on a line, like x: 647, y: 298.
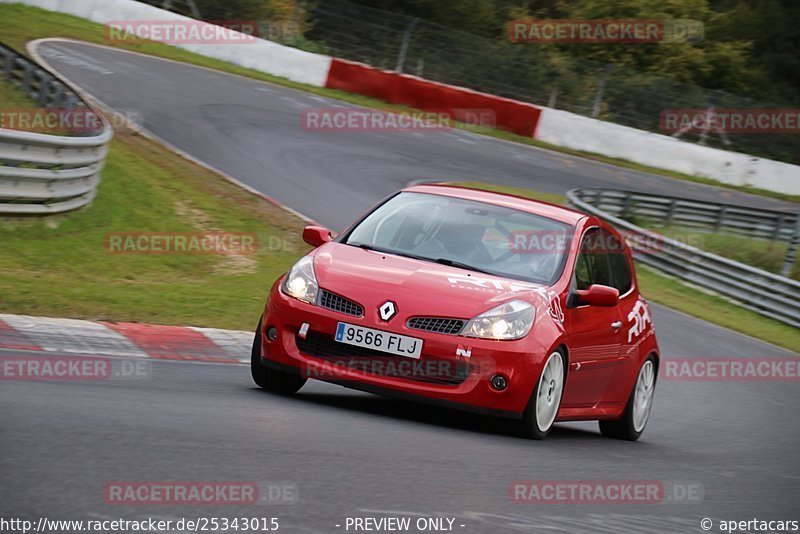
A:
x: 763, y: 292
x: 42, y: 173
x: 694, y: 214
x: 403, y: 89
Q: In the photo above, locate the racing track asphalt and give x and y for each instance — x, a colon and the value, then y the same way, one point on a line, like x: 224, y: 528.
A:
x: 351, y: 453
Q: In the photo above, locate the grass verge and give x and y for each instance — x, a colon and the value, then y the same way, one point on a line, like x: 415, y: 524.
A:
x: 674, y: 294
x: 763, y: 254
x: 62, y: 266
x: 22, y: 24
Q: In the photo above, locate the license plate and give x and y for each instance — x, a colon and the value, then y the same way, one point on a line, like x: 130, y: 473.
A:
x: 410, y: 347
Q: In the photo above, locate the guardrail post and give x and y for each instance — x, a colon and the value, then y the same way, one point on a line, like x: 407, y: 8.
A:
x: 70, y: 101
x: 8, y: 62
x: 720, y: 217
x: 44, y: 88
x: 671, y: 211
x: 58, y: 96
x: 791, y: 251
x: 776, y: 235
x: 27, y: 77
x: 626, y: 204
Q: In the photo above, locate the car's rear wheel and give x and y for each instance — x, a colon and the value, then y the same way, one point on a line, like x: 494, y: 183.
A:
x: 540, y: 414
x: 268, y: 378
x: 637, y: 411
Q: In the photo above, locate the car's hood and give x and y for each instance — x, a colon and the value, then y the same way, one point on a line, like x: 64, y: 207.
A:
x: 418, y: 287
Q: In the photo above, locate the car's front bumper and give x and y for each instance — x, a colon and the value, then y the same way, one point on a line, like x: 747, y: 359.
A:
x: 518, y: 361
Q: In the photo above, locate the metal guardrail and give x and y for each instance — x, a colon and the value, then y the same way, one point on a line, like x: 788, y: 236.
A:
x: 42, y: 173
x: 695, y: 214
x: 766, y: 293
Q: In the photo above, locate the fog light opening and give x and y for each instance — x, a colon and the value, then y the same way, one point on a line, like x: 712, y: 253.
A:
x: 272, y: 333
x: 499, y: 382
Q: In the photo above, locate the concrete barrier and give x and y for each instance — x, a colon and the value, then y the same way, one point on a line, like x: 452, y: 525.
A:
x: 261, y: 55
x: 459, y: 103
x: 569, y: 130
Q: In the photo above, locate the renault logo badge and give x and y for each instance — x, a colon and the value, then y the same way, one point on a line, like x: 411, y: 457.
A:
x: 387, y: 310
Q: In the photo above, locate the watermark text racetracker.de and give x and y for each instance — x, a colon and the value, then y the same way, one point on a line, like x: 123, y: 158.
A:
x: 368, y: 120
x: 730, y: 369
x: 71, y: 368
x: 401, y: 367
x: 731, y: 121
x: 605, y: 31
x: 558, y: 241
x: 77, y: 120
x: 224, y: 243
x: 210, y: 492
x: 185, y: 31
x: 605, y: 492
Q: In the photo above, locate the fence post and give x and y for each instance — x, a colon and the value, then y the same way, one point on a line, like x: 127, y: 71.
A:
x: 601, y: 89
x: 401, y: 58
x: 551, y: 103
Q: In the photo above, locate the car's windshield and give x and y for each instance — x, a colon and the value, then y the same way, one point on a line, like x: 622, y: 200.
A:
x: 468, y: 234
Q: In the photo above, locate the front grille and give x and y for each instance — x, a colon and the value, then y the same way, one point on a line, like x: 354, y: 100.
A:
x: 332, y: 301
x: 430, y: 370
x: 439, y: 325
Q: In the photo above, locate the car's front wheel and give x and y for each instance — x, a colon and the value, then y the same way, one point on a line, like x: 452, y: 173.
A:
x: 268, y: 378
x: 637, y: 411
x: 540, y: 414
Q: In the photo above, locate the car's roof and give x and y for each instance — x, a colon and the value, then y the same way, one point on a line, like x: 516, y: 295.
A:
x: 545, y: 209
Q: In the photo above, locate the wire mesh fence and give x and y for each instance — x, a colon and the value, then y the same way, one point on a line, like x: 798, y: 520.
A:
x: 184, y: 7
x: 525, y: 72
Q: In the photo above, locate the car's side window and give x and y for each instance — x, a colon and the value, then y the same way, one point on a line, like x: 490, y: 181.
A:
x: 592, y: 265
x: 620, y: 269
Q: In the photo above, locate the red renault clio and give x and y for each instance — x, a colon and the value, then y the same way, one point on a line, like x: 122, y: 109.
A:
x: 470, y: 299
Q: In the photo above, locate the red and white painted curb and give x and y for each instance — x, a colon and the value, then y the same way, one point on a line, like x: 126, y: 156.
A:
x: 88, y: 338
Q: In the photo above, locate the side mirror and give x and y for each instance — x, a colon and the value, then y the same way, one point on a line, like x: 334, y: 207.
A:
x: 597, y: 295
x: 316, y: 235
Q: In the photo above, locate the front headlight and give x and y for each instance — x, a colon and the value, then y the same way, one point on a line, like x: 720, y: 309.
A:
x: 301, y: 282
x: 510, y: 320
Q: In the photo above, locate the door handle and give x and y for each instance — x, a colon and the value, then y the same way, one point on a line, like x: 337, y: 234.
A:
x: 616, y: 325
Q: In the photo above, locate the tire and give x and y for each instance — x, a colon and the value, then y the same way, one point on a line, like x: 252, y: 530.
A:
x: 637, y: 412
x: 541, y: 411
x: 268, y: 378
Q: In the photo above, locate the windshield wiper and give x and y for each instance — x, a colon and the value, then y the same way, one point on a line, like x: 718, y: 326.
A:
x: 458, y: 264
x: 373, y: 248
x: 364, y: 246
x: 441, y: 261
